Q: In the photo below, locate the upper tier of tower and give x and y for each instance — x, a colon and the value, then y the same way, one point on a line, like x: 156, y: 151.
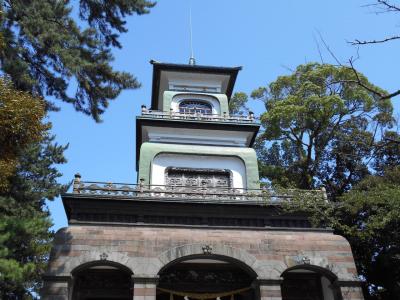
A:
x: 190, y: 106
x: 195, y: 79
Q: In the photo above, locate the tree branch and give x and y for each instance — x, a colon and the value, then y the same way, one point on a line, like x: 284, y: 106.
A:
x: 360, y: 83
x: 358, y: 42
x: 390, y: 140
x: 388, y: 6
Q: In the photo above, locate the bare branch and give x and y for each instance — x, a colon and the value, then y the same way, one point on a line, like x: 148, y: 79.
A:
x: 360, y: 83
x: 287, y: 68
x: 328, y: 49
x: 319, y: 49
x: 382, y: 6
x: 388, y: 96
x: 381, y: 96
x: 358, y: 42
x: 388, y: 6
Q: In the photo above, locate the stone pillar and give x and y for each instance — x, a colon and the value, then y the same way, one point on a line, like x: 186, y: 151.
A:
x: 55, y: 288
x: 270, y: 289
x: 351, y: 292
x: 144, y: 288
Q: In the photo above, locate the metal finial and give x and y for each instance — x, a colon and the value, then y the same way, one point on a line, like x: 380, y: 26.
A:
x: 192, y: 60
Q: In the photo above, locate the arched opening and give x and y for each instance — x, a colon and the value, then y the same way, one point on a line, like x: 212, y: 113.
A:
x: 195, y: 107
x: 102, y: 280
x: 206, y: 277
x: 308, y: 282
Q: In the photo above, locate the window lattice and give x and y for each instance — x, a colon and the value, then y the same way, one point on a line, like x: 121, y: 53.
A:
x: 209, y: 178
x: 195, y: 106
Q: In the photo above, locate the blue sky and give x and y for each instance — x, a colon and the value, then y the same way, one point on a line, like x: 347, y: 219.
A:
x: 266, y: 38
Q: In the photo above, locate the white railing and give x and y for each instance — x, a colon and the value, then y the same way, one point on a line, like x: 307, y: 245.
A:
x: 207, y: 194
x: 199, y: 117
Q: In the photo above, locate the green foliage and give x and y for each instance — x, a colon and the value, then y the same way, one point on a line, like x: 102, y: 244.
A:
x: 237, y: 104
x: 369, y: 217
x: 47, y: 53
x: 322, y: 128
x: 319, y: 128
x: 27, y: 177
x: 24, y: 245
x: 387, y: 153
x: 44, y: 51
x: 25, y: 239
x: 20, y: 124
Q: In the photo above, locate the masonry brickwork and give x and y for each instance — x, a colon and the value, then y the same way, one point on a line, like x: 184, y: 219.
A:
x: 146, y: 250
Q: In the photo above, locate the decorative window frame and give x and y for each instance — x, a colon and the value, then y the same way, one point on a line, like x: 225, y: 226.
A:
x: 201, y: 170
x: 198, y: 101
x: 211, y: 100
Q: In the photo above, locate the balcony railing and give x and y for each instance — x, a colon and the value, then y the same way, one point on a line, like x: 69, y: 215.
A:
x: 172, y: 115
x: 192, y: 194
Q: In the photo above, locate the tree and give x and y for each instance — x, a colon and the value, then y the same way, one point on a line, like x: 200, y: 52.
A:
x: 46, y: 53
x: 28, y: 156
x: 387, y: 154
x: 43, y: 50
x: 20, y: 124
x: 237, y: 105
x: 320, y: 128
x: 369, y: 217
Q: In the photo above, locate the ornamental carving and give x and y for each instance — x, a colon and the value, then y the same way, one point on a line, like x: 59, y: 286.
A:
x: 196, y: 177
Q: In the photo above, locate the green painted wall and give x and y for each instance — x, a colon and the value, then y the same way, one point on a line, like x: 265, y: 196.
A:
x: 148, y: 151
x: 222, y: 98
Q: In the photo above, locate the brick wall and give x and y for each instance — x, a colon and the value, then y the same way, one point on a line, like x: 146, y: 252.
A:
x: 145, y: 250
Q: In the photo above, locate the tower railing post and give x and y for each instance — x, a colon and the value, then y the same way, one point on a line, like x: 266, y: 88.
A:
x: 76, y: 184
x: 144, y: 109
x: 141, y: 185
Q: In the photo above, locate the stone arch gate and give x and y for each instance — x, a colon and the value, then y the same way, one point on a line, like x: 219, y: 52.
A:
x: 146, y: 250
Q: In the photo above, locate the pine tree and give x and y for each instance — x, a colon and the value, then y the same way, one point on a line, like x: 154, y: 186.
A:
x: 44, y: 51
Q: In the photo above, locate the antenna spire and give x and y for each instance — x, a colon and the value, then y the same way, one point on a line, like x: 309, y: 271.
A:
x: 192, y: 60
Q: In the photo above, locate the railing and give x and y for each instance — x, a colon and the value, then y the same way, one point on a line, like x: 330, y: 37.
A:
x: 200, y: 117
x: 185, y: 193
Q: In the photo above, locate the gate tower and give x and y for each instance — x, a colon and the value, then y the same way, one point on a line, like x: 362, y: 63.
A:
x: 196, y: 225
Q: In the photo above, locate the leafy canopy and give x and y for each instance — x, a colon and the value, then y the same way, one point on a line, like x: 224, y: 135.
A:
x: 370, y: 219
x: 319, y: 128
x: 322, y: 128
x: 20, y: 125
x: 45, y: 51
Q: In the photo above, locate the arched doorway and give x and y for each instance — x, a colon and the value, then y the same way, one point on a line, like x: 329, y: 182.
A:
x: 210, y: 277
x: 102, y: 280
x: 309, y: 282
